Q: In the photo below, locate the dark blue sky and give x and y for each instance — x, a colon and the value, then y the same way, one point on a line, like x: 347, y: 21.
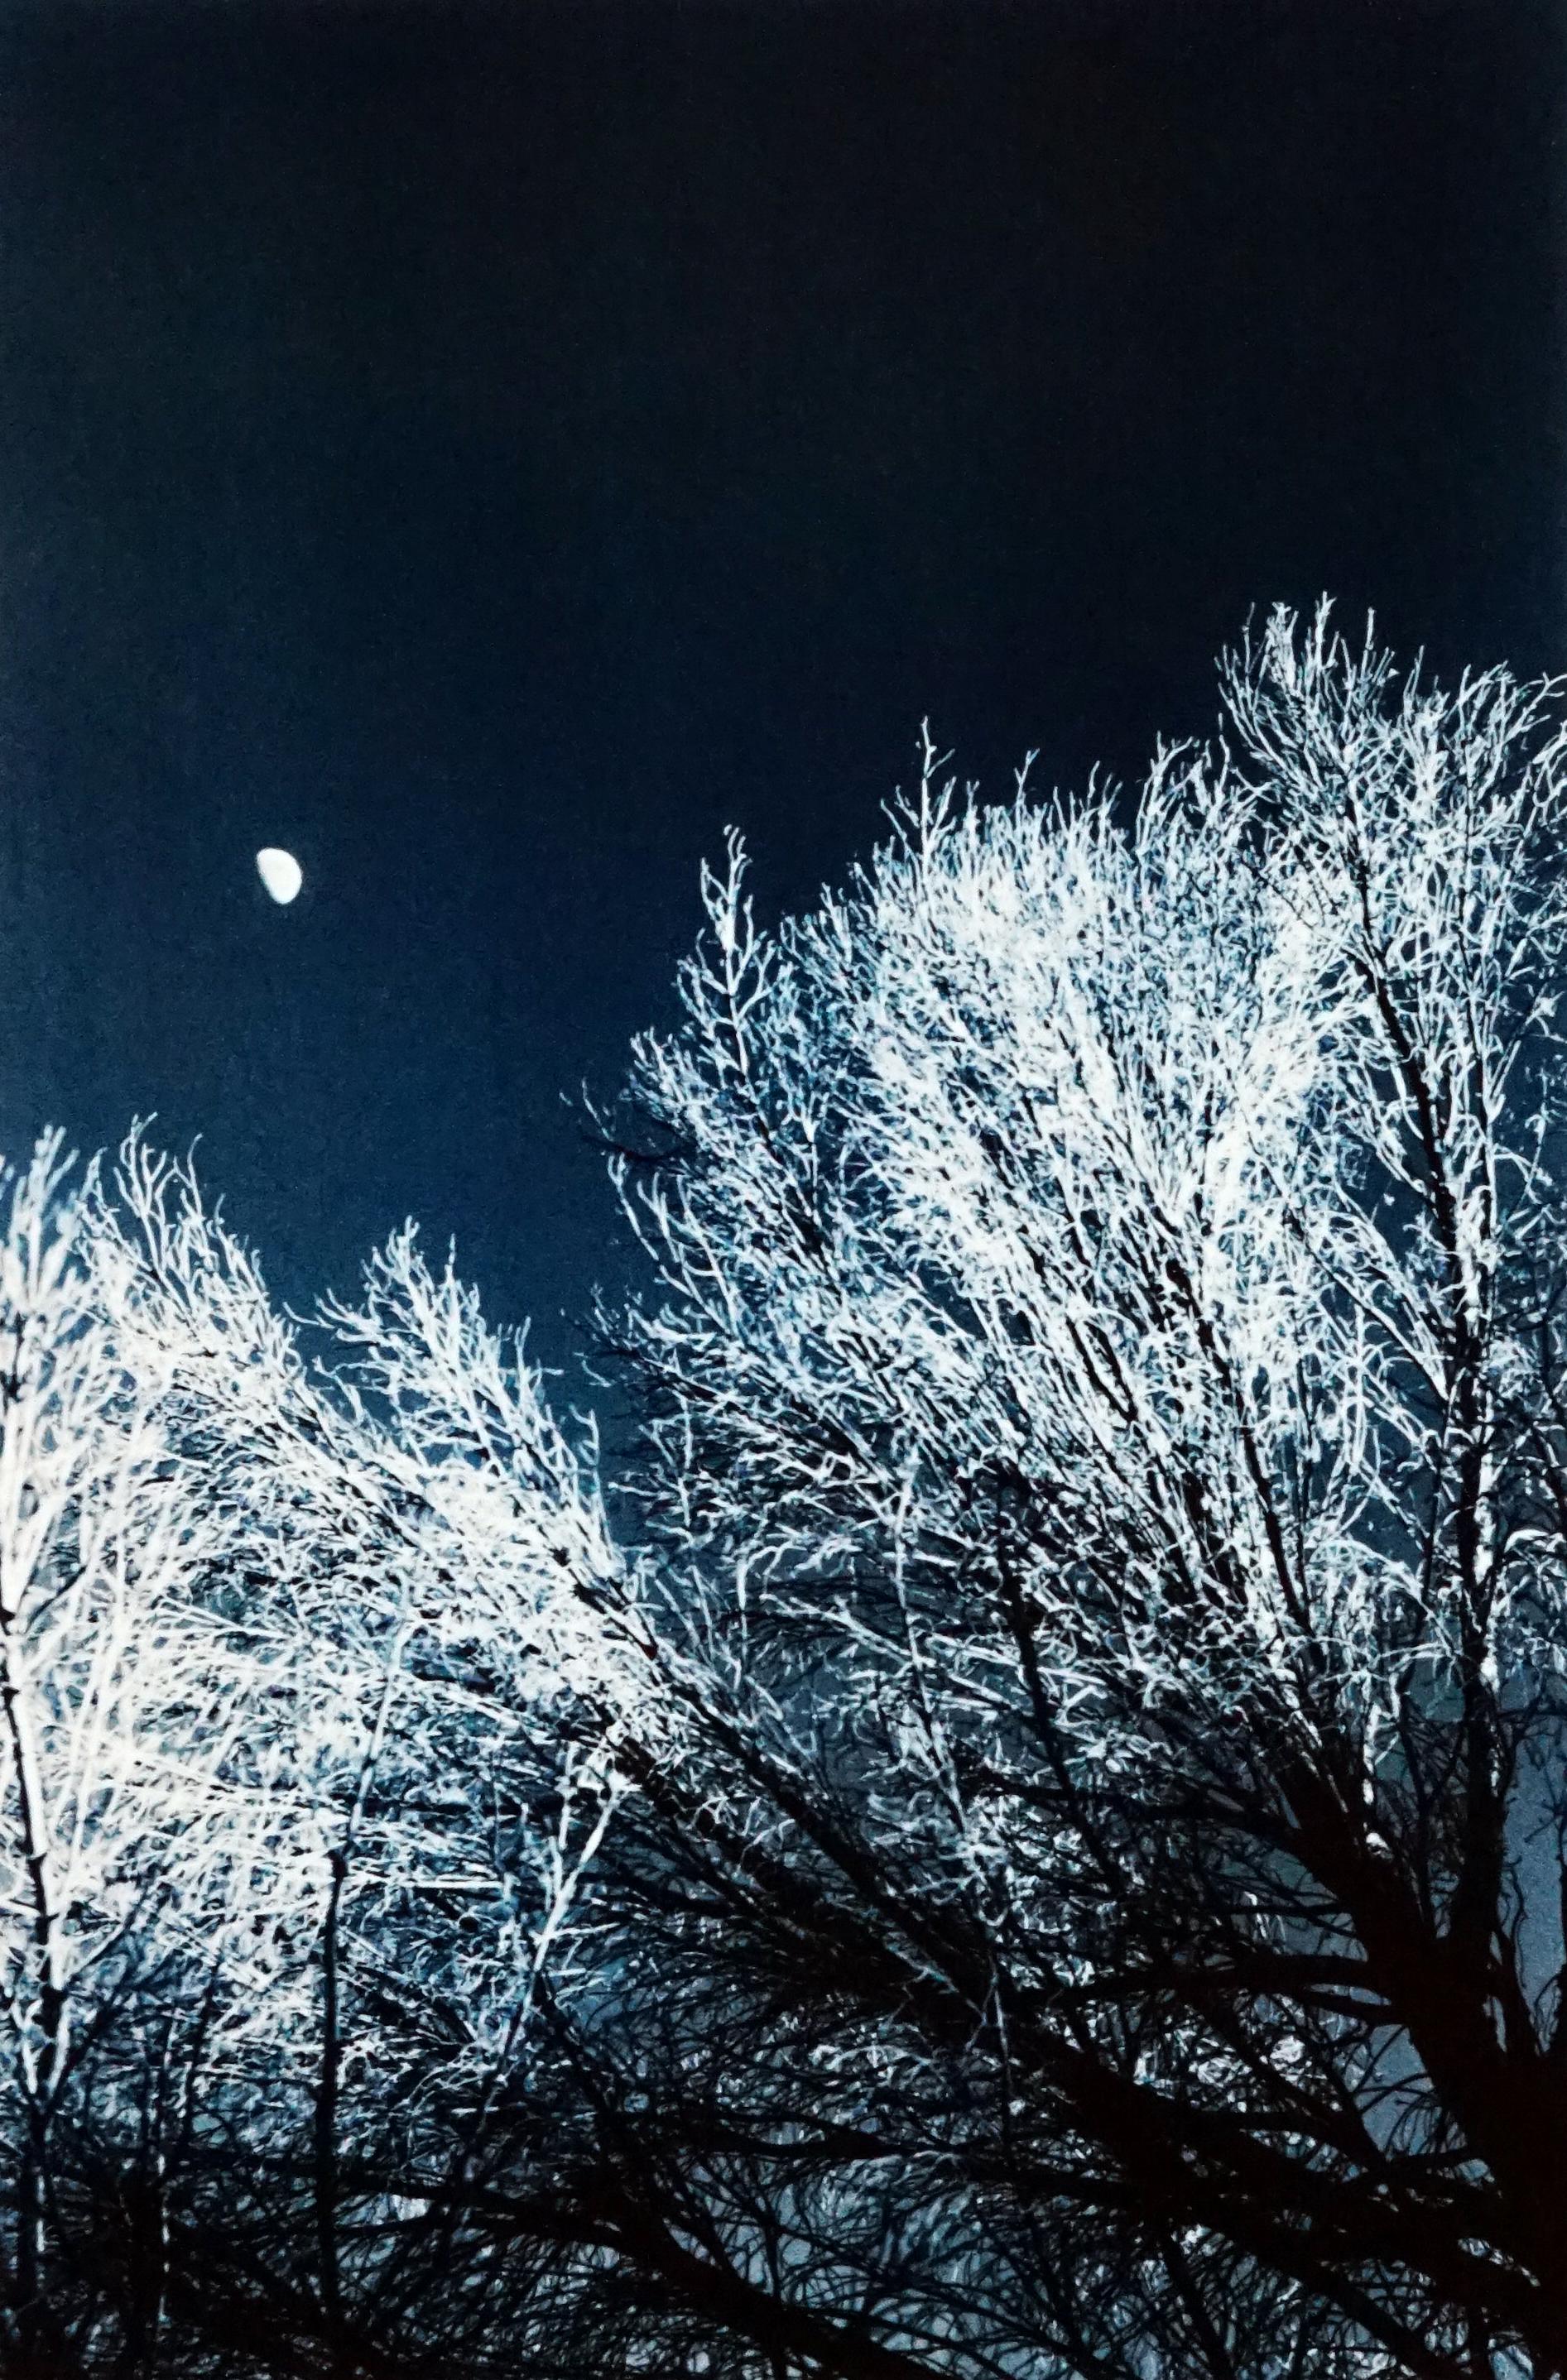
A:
x: 487, y: 452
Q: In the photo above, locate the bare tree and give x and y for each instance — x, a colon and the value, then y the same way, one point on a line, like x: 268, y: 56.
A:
x: 128, y: 1703
x: 1106, y: 1456
x: 285, y: 1650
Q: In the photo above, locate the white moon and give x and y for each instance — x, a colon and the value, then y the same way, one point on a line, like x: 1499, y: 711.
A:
x: 281, y: 873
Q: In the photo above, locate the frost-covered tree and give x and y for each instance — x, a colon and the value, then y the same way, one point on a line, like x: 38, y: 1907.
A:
x: 287, y: 1664
x: 1106, y: 1456
x: 124, y: 1701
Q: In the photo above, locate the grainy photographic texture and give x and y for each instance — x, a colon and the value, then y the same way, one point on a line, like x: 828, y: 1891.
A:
x: 955, y: 1765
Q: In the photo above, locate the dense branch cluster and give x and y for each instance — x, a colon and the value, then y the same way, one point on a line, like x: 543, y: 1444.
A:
x: 1035, y: 1848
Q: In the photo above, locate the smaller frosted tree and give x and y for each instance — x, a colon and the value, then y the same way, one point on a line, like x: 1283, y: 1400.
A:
x: 291, y: 1662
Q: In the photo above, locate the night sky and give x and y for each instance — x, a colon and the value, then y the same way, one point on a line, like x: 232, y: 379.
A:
x: 486, y: 453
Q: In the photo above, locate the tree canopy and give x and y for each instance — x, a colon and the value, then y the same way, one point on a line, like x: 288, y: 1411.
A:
x: 1021, y: 1832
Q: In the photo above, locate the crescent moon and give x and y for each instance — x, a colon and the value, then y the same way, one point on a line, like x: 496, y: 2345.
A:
x: 281, y: 873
